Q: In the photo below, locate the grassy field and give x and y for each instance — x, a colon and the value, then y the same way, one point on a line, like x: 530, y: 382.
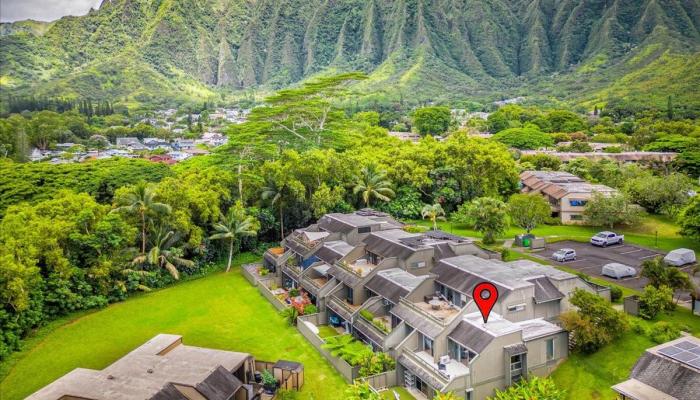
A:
x: 221, y: 311
x: 654, y: 231
x: 591, y: 376
x: 403, y: 394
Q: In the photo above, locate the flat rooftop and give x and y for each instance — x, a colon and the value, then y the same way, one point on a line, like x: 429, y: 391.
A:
x: 498, y: 326
x: 510, y: 275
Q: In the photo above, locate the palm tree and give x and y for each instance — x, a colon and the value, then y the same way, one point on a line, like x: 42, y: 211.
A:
x: 140, y: 200
x: 373, y: 184
x: 233, y: 226
x: 164, y: 255
x: 434, y: 212
x: 274, y: 192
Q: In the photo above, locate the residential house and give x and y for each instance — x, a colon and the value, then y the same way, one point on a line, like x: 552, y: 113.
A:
x: 213, y: 139
x: 184, y: 144
x: 567, y: 193
x: 131, y: 143
x: 447, y: 346
x: 163, y: 368
x: 156, y: 143
x: 460, y: 353
x: 669, y: 371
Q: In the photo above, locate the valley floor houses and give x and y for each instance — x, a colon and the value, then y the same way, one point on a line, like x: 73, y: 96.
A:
x: 409, y: 294
x: 566, y: 193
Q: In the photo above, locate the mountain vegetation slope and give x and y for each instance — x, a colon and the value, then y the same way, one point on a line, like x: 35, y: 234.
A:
x: 141, y: 50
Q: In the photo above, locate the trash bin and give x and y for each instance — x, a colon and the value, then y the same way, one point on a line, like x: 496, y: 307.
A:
x: 524, y: 240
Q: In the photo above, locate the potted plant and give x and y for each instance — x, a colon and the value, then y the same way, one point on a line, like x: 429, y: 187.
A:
x: 269, y: 382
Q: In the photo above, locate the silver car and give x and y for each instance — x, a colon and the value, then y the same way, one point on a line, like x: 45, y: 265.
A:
x: 563, y: 255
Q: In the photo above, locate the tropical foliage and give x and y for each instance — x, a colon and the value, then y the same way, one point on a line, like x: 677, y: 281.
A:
x: 530, y: 389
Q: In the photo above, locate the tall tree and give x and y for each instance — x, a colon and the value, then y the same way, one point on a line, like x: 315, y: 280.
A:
x: 163, y: 254
x: 140, y: 200
x: 233, y: 227
x: 372, y: 183
x: 487, y: 215
x: 528, y: 210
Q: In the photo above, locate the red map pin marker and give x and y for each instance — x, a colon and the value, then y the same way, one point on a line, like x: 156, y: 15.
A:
x: 485, y: 295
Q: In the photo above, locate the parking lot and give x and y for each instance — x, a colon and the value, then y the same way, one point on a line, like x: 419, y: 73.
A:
x: 590, y: 259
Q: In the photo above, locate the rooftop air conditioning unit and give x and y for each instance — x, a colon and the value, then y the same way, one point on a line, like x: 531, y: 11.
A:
x: 361, y: 261
x: 444, y: 359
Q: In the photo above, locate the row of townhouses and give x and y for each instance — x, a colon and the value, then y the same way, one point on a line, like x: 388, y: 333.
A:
x: 410, y: 294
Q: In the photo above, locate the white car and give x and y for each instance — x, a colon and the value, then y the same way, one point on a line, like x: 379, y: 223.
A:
x: 618, y: 271
x: 563, y: 255
x: 606, y: 238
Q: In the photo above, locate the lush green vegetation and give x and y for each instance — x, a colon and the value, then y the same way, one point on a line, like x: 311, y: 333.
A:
x: 590, y: 376
x: 180, y: 51
x: 220, y: 311
x: 403, y: 394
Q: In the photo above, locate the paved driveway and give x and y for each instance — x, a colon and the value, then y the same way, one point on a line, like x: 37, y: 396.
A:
x: 590, y: 259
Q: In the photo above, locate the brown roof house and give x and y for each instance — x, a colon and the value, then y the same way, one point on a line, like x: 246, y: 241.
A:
x: 669, y: 371
x: 162, y: 368
x: 567, y: 193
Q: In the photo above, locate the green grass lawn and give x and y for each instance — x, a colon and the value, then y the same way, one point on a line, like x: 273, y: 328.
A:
x: 591, y: 376
x: 325, y: 331
x: 221, y: 311
x: 653, y: 231
x: 403, y: 394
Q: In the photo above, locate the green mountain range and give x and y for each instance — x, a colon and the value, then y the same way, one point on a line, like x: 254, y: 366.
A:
x: 144, y: 51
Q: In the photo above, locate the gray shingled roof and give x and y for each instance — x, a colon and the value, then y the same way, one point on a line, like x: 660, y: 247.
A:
x: 471, y: 337
x: 169, y: 392
x: 417, y: 321
x: 220, y: 385
x: 333, y: 251
x: 344, y: 276
x: 672, y: 377
x: 387, y: 243
x: 545, y: 290
x: 394, y: 283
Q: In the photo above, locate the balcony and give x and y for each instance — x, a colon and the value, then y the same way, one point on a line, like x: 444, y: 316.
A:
x: 342, y: 307
x: 444, y: 373
x: 437, y: 310
x: 360, y: 267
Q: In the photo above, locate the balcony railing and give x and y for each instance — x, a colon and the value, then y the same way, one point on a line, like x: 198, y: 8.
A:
x: 430, y: 367
x: 428, y: 314
x: 335, y: 300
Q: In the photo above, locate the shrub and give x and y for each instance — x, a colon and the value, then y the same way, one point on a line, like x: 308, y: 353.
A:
x: 662, y: 332
x: 366, y: 314
x: 654, y: 300
x: 577, y: 146
x: 615, y: 293
x: 310, y: 309
x: 612, y: 150
x: 268, y: 379
x: 524, y: 138
x: 293, y: 292
x: 533, y: 388
x: 595, y: 323
x: 638, y: 327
